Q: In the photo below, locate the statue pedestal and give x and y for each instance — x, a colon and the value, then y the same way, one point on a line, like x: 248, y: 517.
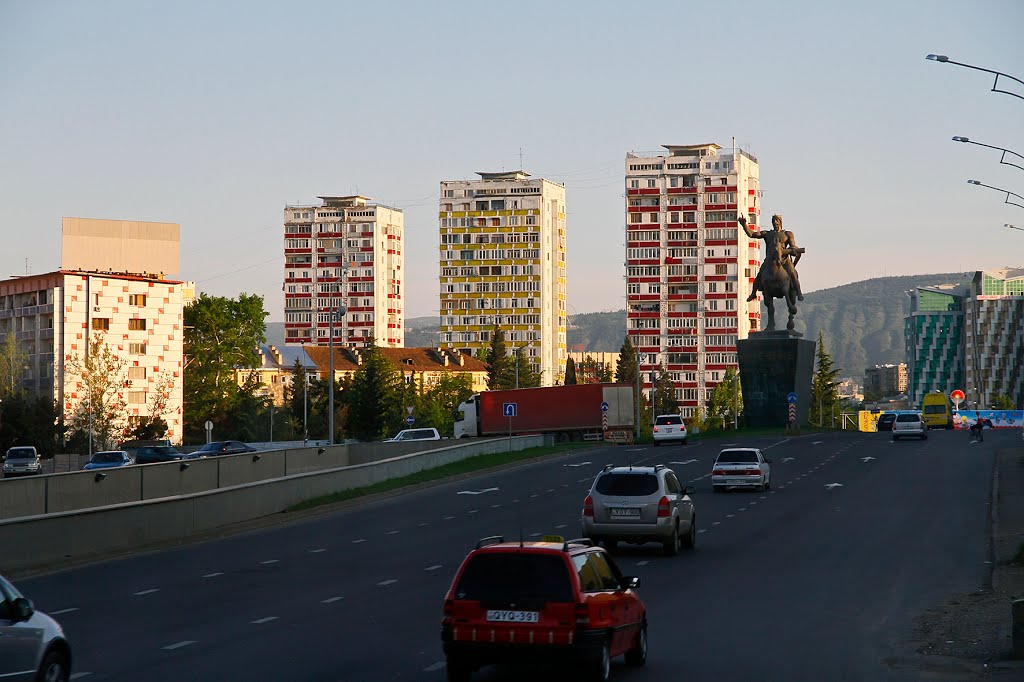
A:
x: 773, y: 365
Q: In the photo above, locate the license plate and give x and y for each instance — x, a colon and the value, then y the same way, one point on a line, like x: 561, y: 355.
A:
x: 624, y: 511
x: 503, y: 616
x: 735, y: 481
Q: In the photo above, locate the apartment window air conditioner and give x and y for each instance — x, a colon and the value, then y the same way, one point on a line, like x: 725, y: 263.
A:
x: 95, y: 308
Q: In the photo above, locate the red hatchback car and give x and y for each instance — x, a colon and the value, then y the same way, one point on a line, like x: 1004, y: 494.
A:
x: 528, y: 601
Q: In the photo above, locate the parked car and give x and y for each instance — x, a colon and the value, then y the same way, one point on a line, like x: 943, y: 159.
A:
x: 415, y: 434
x: 109, y: 459
x: 640, y: 504
x: 909, y: 424
x: 32, y: 644
x: 741, y: 468
x: 538, y: 601
x: 669, y: 427
x: 885, y: 421
x: 22, y: 460
x: 223, y: 447
x: 154, y: 454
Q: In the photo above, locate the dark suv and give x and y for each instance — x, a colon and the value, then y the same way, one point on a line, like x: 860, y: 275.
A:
x: 531, y: 602
x: 640, y: 504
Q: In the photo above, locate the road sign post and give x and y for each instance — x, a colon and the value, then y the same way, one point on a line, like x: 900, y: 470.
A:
x: 209, y: 431
x: 957, y: 396
x: 510, y: 410
x: 410, y: 420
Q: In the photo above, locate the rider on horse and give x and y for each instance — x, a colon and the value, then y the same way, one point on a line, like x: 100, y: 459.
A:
x: 789, y: 247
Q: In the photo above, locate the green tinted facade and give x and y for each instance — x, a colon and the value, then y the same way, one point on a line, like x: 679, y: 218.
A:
x: 934, y: 333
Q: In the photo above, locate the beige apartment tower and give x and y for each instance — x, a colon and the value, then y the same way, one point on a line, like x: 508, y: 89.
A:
x: 502, y: 253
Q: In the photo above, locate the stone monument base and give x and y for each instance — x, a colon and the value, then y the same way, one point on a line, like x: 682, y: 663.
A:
x: 773, y: 365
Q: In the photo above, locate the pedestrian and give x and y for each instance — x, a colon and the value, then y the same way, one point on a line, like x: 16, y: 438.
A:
x: 976, y: 431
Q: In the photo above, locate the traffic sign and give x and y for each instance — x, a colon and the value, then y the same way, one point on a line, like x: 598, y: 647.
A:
x: 410, y: 420
x: 791, y: 398
x: 509, y: 409
x: 792, y: 413
x: 604, y: 422
x: 604, y: 407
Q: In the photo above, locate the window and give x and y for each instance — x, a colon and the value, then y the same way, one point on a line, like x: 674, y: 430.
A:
x: 101, y: 323
x: 137, y: 300
x: 136, y: 324
x: 721, y: 269
x: 136, y: 373
x: 136, y: 397
x: 594, y: 572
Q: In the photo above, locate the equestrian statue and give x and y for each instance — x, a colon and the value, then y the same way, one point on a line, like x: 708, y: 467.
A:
x: 777, y: 277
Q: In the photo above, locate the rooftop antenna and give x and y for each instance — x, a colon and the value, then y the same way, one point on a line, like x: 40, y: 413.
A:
x: 520, y: 158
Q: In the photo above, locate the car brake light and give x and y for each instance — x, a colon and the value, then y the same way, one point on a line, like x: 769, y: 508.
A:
x: 588, y: 506
x: 655, y: 429
x: 582, y: 614
x: 718, y: 472
x: 754, y: 472
x: 663, y: 509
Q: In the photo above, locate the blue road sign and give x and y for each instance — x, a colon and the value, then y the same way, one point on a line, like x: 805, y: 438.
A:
x: 791, y: 398
x: 604, y: 407
x: 509, y: 409
x: 410, y: 420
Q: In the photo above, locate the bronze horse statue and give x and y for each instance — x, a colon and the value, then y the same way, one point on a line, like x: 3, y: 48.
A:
x: 776, y: 283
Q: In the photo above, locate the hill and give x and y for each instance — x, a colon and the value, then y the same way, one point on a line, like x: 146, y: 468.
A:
x: 861, y: 323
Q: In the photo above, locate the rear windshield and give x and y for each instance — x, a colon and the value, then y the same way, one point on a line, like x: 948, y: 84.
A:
x: 935, y: 409
x: 107, y: 457
x: 740, y: 456
x: 505, y: 577
x: 907, y: 418
x: 627, y: 484
x: 21, y: 453
x: 888, y: 417
x: 668, y: 419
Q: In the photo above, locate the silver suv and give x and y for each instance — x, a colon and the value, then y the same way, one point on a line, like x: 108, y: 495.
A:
x: 32, y: 645
x: 22, y: 461
x: 909, y: 424
x: 639, y: 504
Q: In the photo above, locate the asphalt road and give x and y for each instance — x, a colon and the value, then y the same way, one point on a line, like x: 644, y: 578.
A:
x: 819, y: 578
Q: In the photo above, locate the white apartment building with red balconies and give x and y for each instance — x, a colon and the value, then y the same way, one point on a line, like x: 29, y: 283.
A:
x: 343, y: 260
x: 689, y: 266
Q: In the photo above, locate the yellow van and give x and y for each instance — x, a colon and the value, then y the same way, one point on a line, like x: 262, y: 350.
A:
x: 937, y: 410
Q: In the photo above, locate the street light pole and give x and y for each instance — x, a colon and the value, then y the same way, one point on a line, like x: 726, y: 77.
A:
x: 1013, y: 227
x: 946, y: 60
x: 1002, y: 159
x: 1008, y: 193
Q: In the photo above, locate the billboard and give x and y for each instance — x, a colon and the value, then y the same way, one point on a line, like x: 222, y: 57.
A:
x: 122, y: 246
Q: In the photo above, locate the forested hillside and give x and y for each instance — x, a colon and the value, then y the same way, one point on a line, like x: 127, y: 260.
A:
x: 862, y: 322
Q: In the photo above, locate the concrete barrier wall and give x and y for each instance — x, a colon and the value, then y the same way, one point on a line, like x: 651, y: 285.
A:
x: 166, y: 480
x: 50, y: 539
x: 246, y: 468
x: 299, y: 461
x: 22, y: 496
x: 81, y: 490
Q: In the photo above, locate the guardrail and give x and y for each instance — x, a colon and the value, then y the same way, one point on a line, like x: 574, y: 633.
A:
x: 87, y: 516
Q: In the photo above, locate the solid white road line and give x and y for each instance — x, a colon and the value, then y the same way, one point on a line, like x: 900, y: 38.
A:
x: 57, y: 613
x: 178, y: 645
x: 261, y: 621
x: 143, y: 592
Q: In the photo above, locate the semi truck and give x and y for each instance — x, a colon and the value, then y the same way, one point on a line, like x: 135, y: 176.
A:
x: 574, y: 412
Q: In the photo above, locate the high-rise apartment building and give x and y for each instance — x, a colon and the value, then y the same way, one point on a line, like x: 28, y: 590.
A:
x: 503, y: 266
x: 343, y: 270
x: 994, y: 337
x: 689, y: 266
x: 934, y: 336
x: 885, y: 381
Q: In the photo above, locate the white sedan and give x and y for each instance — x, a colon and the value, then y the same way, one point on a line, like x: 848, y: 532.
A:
x: 741, y: 468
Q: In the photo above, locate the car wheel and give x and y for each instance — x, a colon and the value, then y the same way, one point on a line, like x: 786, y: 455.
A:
x: 672, y: 544
x: 602, y: 665
x: 768, y: 482
x: 684, y: 441
x: 457, y: 670
x: 637, y: 656
x: 54, y: 668
x: 690, y: 541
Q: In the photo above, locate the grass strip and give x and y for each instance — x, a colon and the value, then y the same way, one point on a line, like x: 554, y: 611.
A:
x: 471, y: 464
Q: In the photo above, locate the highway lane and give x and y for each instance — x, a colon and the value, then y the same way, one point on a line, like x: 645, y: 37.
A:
x: 808, y: 581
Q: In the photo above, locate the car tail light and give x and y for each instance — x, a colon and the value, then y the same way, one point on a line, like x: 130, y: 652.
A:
x: 582, y: 615
x: 655, y: 429
x: 718, y: 472
x: 588, y: 506
x: 753, y: 472
x: 663, y: 509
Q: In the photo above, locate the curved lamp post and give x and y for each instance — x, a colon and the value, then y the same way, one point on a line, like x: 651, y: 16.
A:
x: 943, y: 58
x: 1008, y: 193
x: 1013, y: 227
x: 1002, y: 159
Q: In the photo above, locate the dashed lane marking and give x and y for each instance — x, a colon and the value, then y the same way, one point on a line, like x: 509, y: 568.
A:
x: 261, y: 621
x: 178, y: 645
x: 715, y: 523
x: 356, y: 542
x: 144, y: 592
x: 269, y: 561
x: 78, y: 676
x: 57, y: 613
x: 331, y: 600
x: 581, y: 464
x: 213, y: 575
x: 432, y: 568
x: 385, y: 583
x: 393, y: 532
x: 434, y: 667
x: 317, y: 551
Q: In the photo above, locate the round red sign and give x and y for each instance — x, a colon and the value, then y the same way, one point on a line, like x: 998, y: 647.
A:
x: 957, y: 395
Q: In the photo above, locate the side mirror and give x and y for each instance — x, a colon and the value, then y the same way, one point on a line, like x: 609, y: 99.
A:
x: 23, y: 609
x: 630, y: 582
x: 689, y: 490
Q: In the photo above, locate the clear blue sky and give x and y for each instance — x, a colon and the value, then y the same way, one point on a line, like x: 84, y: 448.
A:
x: 215, y: 115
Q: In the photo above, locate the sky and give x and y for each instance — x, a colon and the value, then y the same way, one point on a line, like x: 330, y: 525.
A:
x: 216, y: 115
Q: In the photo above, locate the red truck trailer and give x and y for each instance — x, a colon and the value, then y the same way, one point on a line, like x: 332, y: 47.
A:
x: 573, y: 412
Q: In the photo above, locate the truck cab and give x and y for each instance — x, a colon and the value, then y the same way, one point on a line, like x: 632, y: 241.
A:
x: 466, y: 418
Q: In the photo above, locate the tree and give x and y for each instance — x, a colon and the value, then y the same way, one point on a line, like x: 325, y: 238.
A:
x: 501, y: 372
x: 221, y: 335
x: 96, y: 403
x: 524, y: 375
x: 13, y: 361
x: 626, y: 368
x: 664, y: 394
x: 726, y: 399
x: 1001, y: 402
x: 441, y: 401
x: 824, y: 388
x: 296, y: 399
x: 374, y: 398
x: 570, y: 372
